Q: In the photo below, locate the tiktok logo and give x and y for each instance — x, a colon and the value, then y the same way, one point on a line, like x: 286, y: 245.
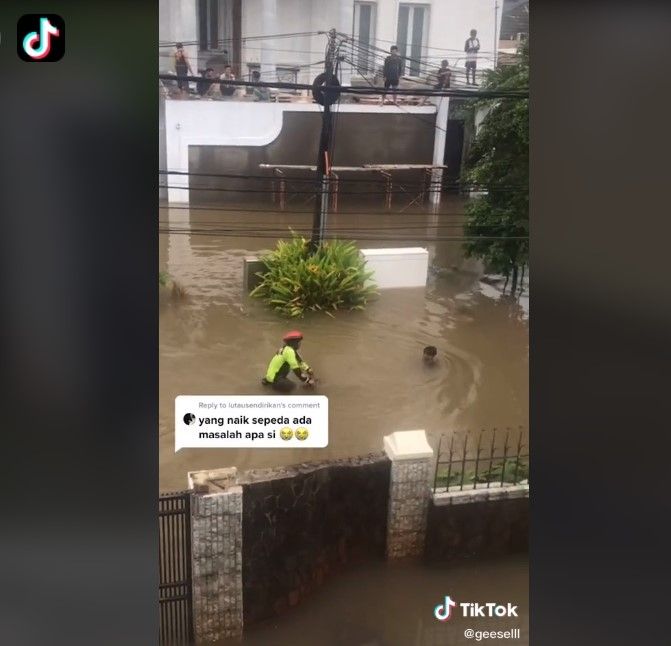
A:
x: 443, y: 611
x: 40, y: 38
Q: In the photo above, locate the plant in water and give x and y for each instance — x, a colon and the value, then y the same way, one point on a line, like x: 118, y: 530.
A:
x: 176, y: 291
x: 333, y: 277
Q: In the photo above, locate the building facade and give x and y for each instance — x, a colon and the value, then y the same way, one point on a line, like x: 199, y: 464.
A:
x: 286, y: 40
x: 281, y: 38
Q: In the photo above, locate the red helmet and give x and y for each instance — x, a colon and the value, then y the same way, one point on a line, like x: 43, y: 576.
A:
x: 294, y: 335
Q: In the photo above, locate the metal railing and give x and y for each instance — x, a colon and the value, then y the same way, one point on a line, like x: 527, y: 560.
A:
x: 482, y: 460
x: 174, y: 557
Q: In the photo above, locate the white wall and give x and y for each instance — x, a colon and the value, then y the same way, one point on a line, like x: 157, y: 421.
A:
x: 398, y: 267
x: 233, y: 123
x: 449, y: 25
x: 293, y: 16
x: 177, y: 23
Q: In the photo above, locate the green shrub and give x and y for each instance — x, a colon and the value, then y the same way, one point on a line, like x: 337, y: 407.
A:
x: 332, y: 278
x: 167, y: 285
x: 514, y: 473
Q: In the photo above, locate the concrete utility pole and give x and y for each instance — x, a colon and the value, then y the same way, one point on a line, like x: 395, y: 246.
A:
x: 440, y: 137
x: 325, y: 97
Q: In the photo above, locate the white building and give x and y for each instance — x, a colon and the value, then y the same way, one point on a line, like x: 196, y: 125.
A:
x: 282, y: 39
x: 239, y: 31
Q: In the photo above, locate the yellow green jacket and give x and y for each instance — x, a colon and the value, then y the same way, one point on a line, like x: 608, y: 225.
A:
x: 286, y: 359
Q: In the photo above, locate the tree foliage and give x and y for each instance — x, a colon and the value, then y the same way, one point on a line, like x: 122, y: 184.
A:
x: 499, y: 164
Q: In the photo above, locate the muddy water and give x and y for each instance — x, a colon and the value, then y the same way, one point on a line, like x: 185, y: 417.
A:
x: 392, y: 605
x: 218, y: 341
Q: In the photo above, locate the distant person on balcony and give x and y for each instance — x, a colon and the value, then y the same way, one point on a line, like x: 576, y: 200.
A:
x: 206, y: 86
x: 472, y: 47
x: 260, y: 93
x: 182, y: 69
x: 225, y: 89
x: 392, y: 72
x: 443, y: 78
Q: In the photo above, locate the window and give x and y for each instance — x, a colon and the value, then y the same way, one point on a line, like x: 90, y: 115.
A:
x: 215, y: 25
x: 287, y: 74
x: 364, y: 36
x: 412, y: 37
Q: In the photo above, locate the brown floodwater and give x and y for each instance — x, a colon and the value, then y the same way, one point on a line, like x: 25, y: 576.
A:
x: 218, y: 341
x: 386, y: 604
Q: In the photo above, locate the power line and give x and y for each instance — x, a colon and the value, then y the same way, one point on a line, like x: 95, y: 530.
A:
x: 219, y: 226
x: 494, y: 94
x: 241, y: 209
x: 242, y: 40
x: 433, y: 126
x: 401, y: 191
x: 372, y: 180
x: 290, y: 234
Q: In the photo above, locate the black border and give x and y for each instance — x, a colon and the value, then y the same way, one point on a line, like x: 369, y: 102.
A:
x: 599, y: 322
x: 79, y: 346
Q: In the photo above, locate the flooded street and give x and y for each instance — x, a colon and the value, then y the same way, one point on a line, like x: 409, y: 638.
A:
x: 218, y: 341
x: 392, y: 605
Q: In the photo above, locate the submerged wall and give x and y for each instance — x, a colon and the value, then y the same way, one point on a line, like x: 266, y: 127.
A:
x: 234, y: 137
x: 477, y: 526
x: 266, y: 539
x: 303, y: 523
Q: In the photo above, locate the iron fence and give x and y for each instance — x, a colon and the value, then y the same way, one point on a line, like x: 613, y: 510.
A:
x: 482, y: 460
x: 175, y: 599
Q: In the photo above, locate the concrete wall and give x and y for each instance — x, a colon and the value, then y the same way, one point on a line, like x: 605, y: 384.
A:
x: 303, y: 523
x: 177, y: 22
x: 450, y: 22
x: 266, y: 539
x: 235, y: 137
x: 399, y: 267
x: 476, y: 526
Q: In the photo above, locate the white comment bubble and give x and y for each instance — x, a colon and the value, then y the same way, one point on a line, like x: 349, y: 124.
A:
x: 251, y: 421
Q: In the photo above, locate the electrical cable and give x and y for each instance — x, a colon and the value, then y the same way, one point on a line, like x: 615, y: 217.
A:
x: 401, y: 191
x: 494, y: 94
x: 373, y: 180
x: 327, y: 236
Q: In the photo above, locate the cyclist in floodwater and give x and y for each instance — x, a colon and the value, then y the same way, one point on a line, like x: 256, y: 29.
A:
x: 286, y: 359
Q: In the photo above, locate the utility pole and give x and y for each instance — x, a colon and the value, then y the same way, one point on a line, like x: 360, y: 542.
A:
x: 325, y: 97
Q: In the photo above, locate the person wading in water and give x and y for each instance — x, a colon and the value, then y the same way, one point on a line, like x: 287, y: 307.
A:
x: 286, y: 359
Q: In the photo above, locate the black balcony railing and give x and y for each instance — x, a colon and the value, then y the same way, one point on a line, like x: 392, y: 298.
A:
x: 482, y: 460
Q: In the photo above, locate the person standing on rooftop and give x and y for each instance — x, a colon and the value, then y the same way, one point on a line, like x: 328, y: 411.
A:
x: 392, y: 72
x: 182, y: 69
x: 472, y: 47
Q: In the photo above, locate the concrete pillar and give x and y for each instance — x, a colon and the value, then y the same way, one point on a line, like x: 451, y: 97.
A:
x: 411, y: 458
x: 216, y: 548
x: 251, y: 266
x: 268, y: 26
x: 439, y: 148
x: 176, y: 153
